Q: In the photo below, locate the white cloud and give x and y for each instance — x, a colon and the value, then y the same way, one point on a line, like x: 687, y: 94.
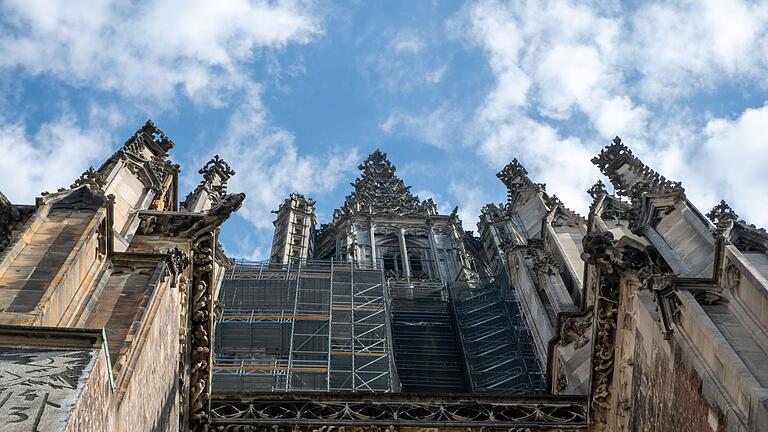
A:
x: 686, y: 46
x: 269, y: 165
x: 53, y: 157
x: 569, y: 76
x: 407, y: 63
x: 407, y: 42
x: 562, y: 163
x: 471, y: 199
x: 152, y: 50
x: 733, y: 161
x: 438, y: 128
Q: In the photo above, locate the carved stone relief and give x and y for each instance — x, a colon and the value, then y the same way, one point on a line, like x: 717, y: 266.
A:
x: 40, y: 387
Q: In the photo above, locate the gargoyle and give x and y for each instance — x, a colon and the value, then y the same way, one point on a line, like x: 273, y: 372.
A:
x: 213, y: 218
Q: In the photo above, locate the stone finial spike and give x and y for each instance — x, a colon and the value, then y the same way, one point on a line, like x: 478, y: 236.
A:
x: 217, y: 167
x: 597, y: 189
x: 514, y: 174
x: 721, y: 211
x: 216, y: 172
x: 629, y: 175
x: 722, y: 216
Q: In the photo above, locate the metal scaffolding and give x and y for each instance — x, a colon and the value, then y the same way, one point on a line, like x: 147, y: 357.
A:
x: 427, y: 350
x: 496, y: 341
x: 302, y: 326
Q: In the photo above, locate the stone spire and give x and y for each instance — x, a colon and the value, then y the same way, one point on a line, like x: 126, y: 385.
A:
x: 212, y: 188
x: 629, y: 175
x: 515, y: 178
x: 379, y: 190
x: 146, y: 155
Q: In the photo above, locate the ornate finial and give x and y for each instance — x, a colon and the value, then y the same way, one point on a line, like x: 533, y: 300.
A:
x: 513, y: 174
x: 722, y: 215
x: 722, y: 211
x: 216, y: 188
x: 90, y: 177
x: 598, y: 189
x: 611, y: 154
x: 218, y: 166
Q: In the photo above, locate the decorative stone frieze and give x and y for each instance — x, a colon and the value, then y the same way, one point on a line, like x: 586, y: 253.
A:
x: 394, y: 413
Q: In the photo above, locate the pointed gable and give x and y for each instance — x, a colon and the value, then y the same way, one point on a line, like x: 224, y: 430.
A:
x: 380, y: 190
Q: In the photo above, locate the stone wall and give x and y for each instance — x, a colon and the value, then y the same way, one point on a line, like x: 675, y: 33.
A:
x: 151, y: 395
x: 667, y: 394
x: 93, y: 411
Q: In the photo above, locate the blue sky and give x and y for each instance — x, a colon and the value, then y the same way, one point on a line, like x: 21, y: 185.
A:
x: 295, y: 94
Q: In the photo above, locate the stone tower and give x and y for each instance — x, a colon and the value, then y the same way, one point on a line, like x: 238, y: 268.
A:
x: 294, y: 236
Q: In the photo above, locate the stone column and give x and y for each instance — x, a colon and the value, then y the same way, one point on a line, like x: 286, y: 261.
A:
x: 373, y: 243
x: 404, y: 254
x: 433, y: 248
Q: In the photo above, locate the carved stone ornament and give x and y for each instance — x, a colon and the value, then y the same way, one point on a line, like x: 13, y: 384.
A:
x: 90, y: 177
x: 177, y: 260
x: 145, y: 156
x: 541, y: 258
x: 731, y: 277
x: 216, y: 172
x: 617, y: 155
x: 201, y: 332
x: 386, y: 230
x: 722, y: 216
x: 597, y: 190
x: 746, y: 237
x: 573, y: 329
x: 378, y: 190
x: 519, y: 186
x: 388, y: 413
x: 614, y: 263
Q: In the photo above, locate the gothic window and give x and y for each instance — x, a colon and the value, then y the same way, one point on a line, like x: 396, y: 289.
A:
x: 392, y: 261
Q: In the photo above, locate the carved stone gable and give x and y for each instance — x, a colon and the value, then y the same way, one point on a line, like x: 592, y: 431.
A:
x: 629, y: 175
x: 379, y: 190
x: 519, y: 186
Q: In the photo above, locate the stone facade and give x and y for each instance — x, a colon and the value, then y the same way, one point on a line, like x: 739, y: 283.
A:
x: 107, y: 292
x: 645, y: 315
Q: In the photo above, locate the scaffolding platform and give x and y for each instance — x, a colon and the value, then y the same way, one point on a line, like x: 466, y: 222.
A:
x: 303, y: 326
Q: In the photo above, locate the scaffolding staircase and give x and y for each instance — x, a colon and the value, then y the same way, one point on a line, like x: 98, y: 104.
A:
x: 497, y: 350
x: 427, y: 353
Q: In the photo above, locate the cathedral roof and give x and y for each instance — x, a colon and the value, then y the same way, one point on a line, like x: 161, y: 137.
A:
x: 379, y: 190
